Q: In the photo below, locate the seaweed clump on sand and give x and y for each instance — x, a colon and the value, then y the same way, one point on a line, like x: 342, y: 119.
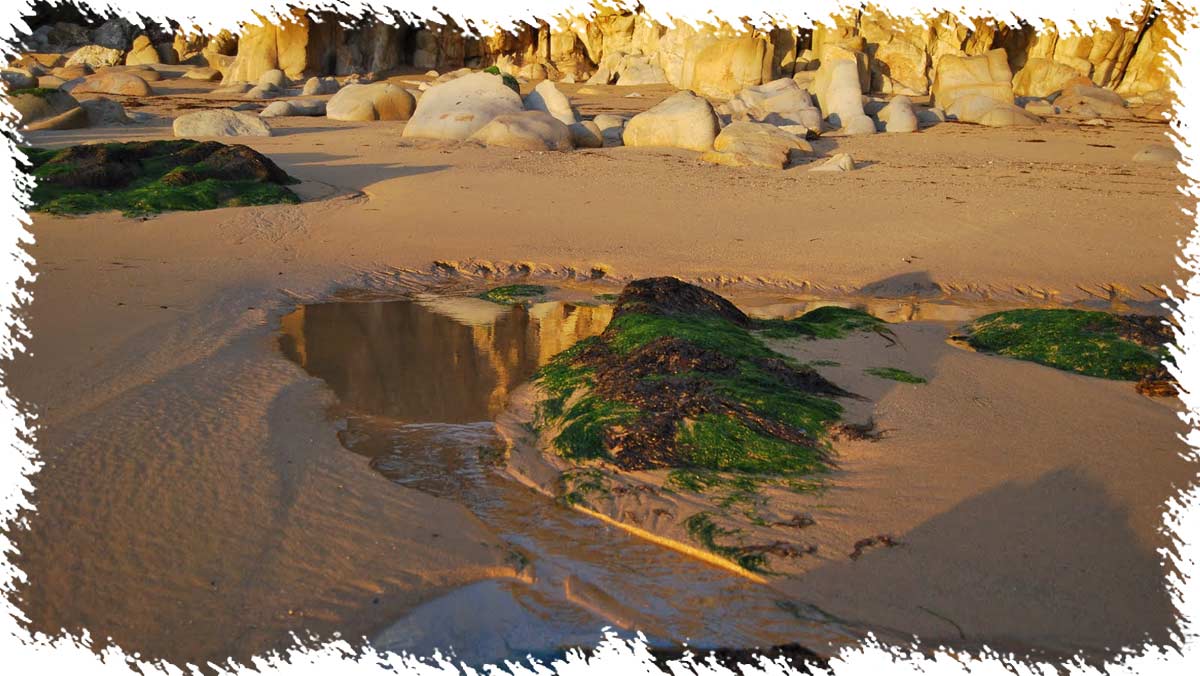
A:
x: 148, y: 177
x: 678, y: 379
x: 1099, y: 344
x: 827, y: 322
x: 514, y: 294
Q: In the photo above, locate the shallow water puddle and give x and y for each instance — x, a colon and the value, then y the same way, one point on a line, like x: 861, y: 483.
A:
x: 419, y: 382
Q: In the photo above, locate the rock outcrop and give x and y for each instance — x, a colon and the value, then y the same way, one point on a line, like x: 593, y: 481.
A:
x: 622, y: 46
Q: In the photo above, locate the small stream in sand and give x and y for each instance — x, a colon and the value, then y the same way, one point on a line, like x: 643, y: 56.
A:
x: 418, y: 383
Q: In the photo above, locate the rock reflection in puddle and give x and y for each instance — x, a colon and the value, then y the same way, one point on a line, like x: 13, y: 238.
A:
x: 434, y: 359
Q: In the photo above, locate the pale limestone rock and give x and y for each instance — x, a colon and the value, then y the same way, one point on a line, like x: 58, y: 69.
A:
x: 319, y: 86
x: 208, y: 123
x: 95, y: 56
x: 756, y: 144
x: 142, y: 52
x: 898, y: 116
x: 456, y: 109
x: 840, y: 162
x: 547, y: 98
x: 526, y: 130
x: 683, y: 120
x: 587, y: 134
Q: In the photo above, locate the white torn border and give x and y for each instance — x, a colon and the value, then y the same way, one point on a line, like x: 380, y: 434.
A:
x: 21, y: 654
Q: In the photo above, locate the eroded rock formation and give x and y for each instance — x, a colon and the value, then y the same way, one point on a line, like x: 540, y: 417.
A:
x: 617, y: 46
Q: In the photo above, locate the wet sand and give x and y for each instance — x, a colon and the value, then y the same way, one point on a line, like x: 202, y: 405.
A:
x: 196, y: 502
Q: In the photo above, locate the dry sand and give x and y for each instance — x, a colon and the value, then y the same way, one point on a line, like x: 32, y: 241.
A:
x: 195, y: 501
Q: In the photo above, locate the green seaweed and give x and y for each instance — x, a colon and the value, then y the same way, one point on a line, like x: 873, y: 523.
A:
x: 148, y: 178
x: 726, y: 444
x: 898, y: 375
x: 828, y: 322
x: 702, y: 530
x: 509, y: 81
x: 513, y: 294
x: 576, y: 484
x: 581, y: 436
x: 40, y: 92
x: 1085, y: 342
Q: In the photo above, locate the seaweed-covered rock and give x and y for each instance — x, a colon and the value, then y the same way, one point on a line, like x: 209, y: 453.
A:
x: 677, y: 379
x: 153, y: 176
x: 1099, y: 344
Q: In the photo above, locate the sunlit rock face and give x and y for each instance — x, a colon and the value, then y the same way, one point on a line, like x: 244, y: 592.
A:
x: 897, y: 55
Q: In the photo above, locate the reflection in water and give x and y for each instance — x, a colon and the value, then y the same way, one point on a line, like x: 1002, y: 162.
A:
x: 447, y: 360
x: 421, y: 381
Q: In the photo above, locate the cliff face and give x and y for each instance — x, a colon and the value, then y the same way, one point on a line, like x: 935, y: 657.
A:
x: 896, y: 55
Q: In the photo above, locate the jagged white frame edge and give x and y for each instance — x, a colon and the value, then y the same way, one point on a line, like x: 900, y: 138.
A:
x: 21, y: 653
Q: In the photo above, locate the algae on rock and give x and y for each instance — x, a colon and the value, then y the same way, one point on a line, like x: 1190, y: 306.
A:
x: 147, y: 177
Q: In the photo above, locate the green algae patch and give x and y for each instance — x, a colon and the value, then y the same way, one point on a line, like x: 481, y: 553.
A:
x: 149, y: 177
x: 898, y: 375
x: 704, y: 531
x: 40, y: 92
x: 1099, y: 344
x: 828, y: 322
x: 509, y: 81
x: 514, y: 294
x: 678, y: 380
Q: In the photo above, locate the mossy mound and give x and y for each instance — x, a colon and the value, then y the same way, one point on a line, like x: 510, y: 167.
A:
x: 1116, y: 347
x: 147, y: 177
x: 513, y: 294
x: 827, y: 322
x: 677, y: 379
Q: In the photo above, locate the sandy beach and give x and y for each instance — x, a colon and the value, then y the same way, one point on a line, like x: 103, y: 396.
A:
x: 196, y: 503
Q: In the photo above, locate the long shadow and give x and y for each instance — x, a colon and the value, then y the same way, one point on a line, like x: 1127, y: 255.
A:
x: 351, y: 176
x: 1098, y: 588
x: 917, y: 283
